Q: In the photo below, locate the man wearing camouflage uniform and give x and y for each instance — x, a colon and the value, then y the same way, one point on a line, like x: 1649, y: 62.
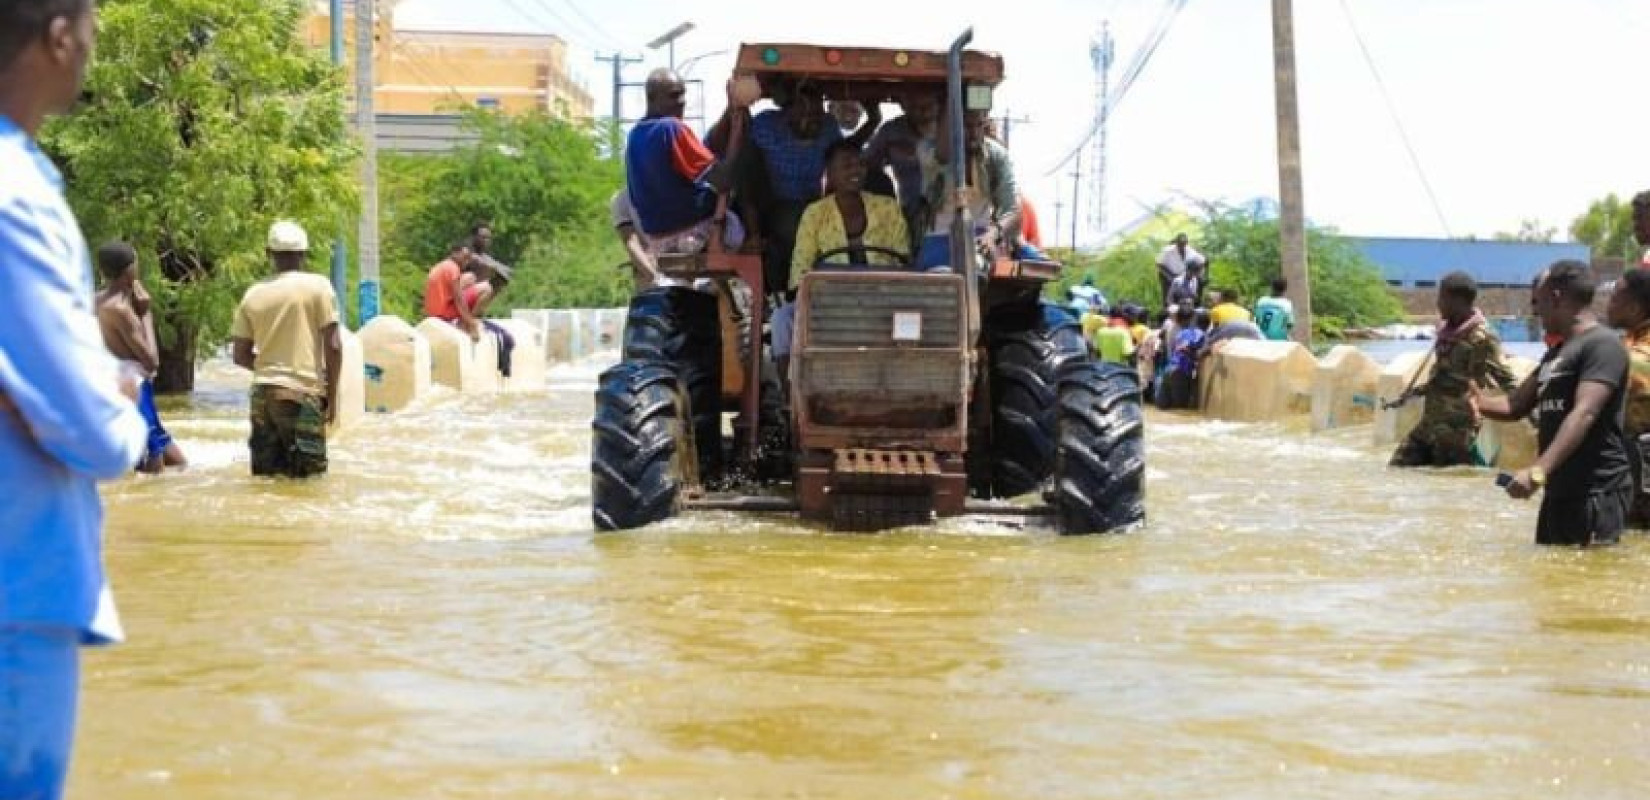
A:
x: 1466, y: 352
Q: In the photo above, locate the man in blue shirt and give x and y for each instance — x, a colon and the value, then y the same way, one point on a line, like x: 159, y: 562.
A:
x: 64, y: 423
x: 792, y: 141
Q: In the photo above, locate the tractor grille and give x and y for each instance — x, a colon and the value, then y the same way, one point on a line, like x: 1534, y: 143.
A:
x: 851, y: 312
x: 885, y: 377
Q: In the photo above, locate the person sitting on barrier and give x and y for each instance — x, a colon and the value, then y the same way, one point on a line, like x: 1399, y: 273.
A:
x: 1276, y: 314
x: 1466, y: 352
x: 994, y: 202
x: 444, y: 287
x: 1629, y: 312
x: 1174, y: 262
x: 486, y: 279
x: 1179, y: 389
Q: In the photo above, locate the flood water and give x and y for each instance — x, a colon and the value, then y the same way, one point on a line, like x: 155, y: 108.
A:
x: 436, y: 619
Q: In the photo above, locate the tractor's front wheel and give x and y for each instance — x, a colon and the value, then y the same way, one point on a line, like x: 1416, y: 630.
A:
x: 1100, y: 465
x: 640, y: 455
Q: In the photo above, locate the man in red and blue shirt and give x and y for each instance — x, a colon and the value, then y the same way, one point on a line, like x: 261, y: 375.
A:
x: 671, y: 176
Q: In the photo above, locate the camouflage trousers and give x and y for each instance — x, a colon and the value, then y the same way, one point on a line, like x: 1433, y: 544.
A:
x: 1443, y: 443
x: 289, y: 433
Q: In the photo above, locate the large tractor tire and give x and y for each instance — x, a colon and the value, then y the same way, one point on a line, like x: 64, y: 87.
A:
x: 1027, y: 354
x: 636, y: 468
x: 1100, y: 467
x: 681, y: 328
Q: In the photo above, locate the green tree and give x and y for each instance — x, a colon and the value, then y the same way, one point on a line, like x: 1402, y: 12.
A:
x: 209, y: 120
x: 541, y: 182
x: 1607, y: 227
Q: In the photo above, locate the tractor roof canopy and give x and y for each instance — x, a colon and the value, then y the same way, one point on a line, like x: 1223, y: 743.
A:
x: 866, y: 74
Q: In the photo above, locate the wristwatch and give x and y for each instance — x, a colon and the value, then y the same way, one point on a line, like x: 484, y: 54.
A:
x: 1538, y: 476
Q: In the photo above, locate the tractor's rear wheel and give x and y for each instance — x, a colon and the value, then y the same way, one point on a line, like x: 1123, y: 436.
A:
x: 636, y: 468
x: 1027, y: 354
x: 681, y: 328
x: 1100, y: 466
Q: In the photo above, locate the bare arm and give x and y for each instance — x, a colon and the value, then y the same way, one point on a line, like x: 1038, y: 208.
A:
x: 242, y: 353
x: 466, y: 319
x: 1508, y: 408
x: 334, y: 345
x: 637, y: 252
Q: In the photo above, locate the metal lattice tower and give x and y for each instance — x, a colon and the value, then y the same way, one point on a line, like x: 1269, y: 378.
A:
x: 1103, y: 52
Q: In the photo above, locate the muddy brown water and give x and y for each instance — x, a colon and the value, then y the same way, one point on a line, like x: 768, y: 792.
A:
x: 436, y: 620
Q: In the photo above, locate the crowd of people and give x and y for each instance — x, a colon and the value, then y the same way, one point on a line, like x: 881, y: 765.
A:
x: 1169, y: 350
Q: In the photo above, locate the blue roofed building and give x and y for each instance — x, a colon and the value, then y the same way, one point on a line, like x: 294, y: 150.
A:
x: 1420, y: 263
x: 1503, y: 270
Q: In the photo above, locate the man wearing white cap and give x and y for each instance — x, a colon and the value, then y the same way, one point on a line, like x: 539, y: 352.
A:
x: 286, y: 332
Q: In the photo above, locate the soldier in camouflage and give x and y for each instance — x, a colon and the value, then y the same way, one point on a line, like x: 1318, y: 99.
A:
x: 1629, y: 312
x: 1466, y: 353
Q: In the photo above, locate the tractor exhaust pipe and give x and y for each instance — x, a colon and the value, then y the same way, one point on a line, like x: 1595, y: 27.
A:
x: 962, y: 228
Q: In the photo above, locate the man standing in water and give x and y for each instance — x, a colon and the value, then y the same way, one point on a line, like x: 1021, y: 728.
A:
x: 64, y: 422
x: 1629, y: 312
x: 1465, y: 353
x: 282, y: 329
x: 1580, y: 389
x: 129, y: 333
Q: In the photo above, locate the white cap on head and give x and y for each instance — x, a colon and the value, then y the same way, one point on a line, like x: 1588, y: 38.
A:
x: 286, y: 236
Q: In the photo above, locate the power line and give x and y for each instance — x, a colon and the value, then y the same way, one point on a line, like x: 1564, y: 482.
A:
x: 1137, y: 67
x: 567, y: 26
x: 1397, y: 122
x: 594, y: 26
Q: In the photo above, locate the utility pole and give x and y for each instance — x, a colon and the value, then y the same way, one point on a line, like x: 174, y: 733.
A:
x: 1005, y: 124
x: 619, y: 61
x: 366, y: 126
x: 340, y: 258
x: 1059, y: 207
x: 1076, y: 187
x: 1292, y: 215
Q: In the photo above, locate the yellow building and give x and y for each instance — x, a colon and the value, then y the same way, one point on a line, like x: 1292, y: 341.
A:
x: 433, y: 72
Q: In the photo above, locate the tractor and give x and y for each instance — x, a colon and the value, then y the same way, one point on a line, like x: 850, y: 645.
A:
x: 912, y: 395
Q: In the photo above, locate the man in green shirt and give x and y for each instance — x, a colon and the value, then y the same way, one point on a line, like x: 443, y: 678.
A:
x: 1276, y: 315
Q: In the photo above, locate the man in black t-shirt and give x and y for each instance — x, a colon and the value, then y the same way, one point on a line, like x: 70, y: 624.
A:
x: 1579, y: 394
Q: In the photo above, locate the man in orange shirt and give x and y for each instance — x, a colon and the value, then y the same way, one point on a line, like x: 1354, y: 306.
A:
x: 443, y: 289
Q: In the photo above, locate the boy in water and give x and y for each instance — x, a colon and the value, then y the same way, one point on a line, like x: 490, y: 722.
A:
x: 129, y: 334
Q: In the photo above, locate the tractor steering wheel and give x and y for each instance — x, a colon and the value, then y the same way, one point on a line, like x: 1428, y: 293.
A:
x: 900, y: 259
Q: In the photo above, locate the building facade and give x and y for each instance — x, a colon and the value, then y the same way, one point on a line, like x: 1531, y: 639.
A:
x: 442, y: 72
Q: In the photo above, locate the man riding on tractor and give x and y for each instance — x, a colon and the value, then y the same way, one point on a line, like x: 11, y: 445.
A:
x: 915, y: 382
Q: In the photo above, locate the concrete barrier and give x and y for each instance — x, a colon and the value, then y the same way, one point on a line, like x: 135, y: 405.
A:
x: 608, y: 330
x: 560, y: 328
x: 352, y: 397
x: 1343, y: 389
x: 1393, y: 424
x: 1510, y: 445
x: 1250, y: 380
x: 397, y: 364
x: 457, y: 362
x: 527, y: 366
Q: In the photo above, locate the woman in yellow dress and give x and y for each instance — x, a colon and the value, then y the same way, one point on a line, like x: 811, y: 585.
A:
x: 849, y: 217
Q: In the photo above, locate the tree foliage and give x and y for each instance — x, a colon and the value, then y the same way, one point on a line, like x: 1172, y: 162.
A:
x: 1529, y: 230
x: 1607, y: 227
x: 542, y: 183
x: 1243, y: 251
x: 209, y: 120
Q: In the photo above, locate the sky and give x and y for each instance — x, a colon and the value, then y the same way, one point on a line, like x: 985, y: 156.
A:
x: 1516, y: 109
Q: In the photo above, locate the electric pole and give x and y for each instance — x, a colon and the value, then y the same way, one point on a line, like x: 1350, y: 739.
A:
x: 1059, y: 209
x: 1005, y: 123
x: 366, y: 126
x: 340, y: 258
x: 1076, y: 188
x: 619, y: 62
x: 1292, y: 215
